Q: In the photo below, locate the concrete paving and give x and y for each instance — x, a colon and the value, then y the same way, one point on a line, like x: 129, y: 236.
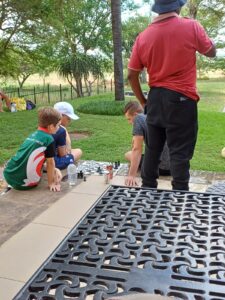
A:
x: 19, y: 208
x: 32, y: 223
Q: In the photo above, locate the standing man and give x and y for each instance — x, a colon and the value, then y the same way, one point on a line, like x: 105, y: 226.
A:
x: 167, y: 48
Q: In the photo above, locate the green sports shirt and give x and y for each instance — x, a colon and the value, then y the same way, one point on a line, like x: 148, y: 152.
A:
x: 23, y: 170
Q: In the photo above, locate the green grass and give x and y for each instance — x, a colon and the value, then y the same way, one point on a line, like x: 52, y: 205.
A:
x: 211, y: 140
x: 110, y: 136
x: 212, y: 94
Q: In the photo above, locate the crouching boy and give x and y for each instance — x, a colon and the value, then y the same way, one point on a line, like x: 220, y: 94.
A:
x: 24, y: 170
x: 134, y: 114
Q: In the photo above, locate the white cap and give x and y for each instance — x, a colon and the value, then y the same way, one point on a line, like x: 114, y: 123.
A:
x: 66, y: 109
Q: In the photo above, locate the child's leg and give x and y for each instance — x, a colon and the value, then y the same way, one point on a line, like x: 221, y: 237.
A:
x: 77, y: 153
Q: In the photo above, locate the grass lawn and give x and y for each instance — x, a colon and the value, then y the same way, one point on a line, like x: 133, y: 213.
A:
x: 110, y: 136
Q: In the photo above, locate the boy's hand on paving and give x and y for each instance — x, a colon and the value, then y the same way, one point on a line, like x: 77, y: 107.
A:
x: 55, y: 187
x: 131, y: 181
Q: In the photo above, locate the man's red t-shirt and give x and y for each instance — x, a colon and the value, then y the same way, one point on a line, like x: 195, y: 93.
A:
x: 167, y: 48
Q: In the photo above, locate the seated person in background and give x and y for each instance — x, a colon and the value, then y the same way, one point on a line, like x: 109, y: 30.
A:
x: 134, y: 114
x: 64, y: 153
x: 23, y: 171
x: 7, y: 101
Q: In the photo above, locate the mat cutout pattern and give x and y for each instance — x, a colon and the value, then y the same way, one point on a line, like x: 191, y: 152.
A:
x: 139, y: 240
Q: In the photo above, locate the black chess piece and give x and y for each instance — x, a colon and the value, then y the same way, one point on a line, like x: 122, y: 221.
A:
x: 116, y: 165
x: 80, y: 175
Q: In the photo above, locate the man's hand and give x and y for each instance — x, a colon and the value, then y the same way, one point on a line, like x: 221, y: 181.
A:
x: 131, y: 181
x: 55, y: 187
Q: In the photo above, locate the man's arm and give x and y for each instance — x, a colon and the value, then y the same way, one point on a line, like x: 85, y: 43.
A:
x: 212, y: 51
x: 133, y: 77
x: 136, y: 153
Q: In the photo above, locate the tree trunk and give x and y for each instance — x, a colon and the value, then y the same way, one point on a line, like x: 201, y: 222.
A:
x: 117, y: 49
x: 78, y: 86
x: 22, y: 80
x: 193, y: 9
x: 88, y: 85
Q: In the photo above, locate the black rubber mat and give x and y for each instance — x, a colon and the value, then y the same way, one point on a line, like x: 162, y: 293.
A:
x: 139, y: 240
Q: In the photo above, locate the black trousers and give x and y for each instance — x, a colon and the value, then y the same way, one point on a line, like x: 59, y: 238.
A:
x: 173, y: 117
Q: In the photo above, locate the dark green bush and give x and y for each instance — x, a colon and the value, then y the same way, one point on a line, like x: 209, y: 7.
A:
x: 103, y: 107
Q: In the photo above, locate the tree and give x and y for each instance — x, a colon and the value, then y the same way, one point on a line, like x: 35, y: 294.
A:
x: 117, y: 49
x: 81, y: 40
x: 131, y: 28
x: 211, y: 14
x: 26, y: 27
x: 81, y: 67
x: 19, y: 19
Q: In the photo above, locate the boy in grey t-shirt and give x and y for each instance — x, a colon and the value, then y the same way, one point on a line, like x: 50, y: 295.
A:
x: 135, y: 115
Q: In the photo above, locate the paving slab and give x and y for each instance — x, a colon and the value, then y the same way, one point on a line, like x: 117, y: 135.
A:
x: 8, y: 288
x: 67, y: 211
x: 21, y: 255
x: 19, y: 208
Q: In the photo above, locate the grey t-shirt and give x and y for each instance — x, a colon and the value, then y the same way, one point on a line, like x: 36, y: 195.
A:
x: 140, y: 128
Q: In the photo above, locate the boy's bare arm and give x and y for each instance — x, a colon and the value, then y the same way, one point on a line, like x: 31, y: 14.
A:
x: 53, y: 186
x: 66, y: 149
x: 135, y: 160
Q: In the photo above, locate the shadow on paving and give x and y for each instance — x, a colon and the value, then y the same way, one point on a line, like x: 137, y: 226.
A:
x: 19, y: 208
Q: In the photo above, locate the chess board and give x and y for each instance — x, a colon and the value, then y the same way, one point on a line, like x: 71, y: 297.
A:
x: 92, y: 167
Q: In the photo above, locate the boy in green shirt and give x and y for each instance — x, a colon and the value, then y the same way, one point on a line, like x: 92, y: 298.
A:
x: 23, y: 171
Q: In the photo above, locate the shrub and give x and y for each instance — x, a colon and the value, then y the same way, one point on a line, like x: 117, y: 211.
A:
x: 103, y: 107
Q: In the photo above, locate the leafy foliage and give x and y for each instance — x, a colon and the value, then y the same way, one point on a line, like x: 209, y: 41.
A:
x: 131, y: 28
x: 211, y: 14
